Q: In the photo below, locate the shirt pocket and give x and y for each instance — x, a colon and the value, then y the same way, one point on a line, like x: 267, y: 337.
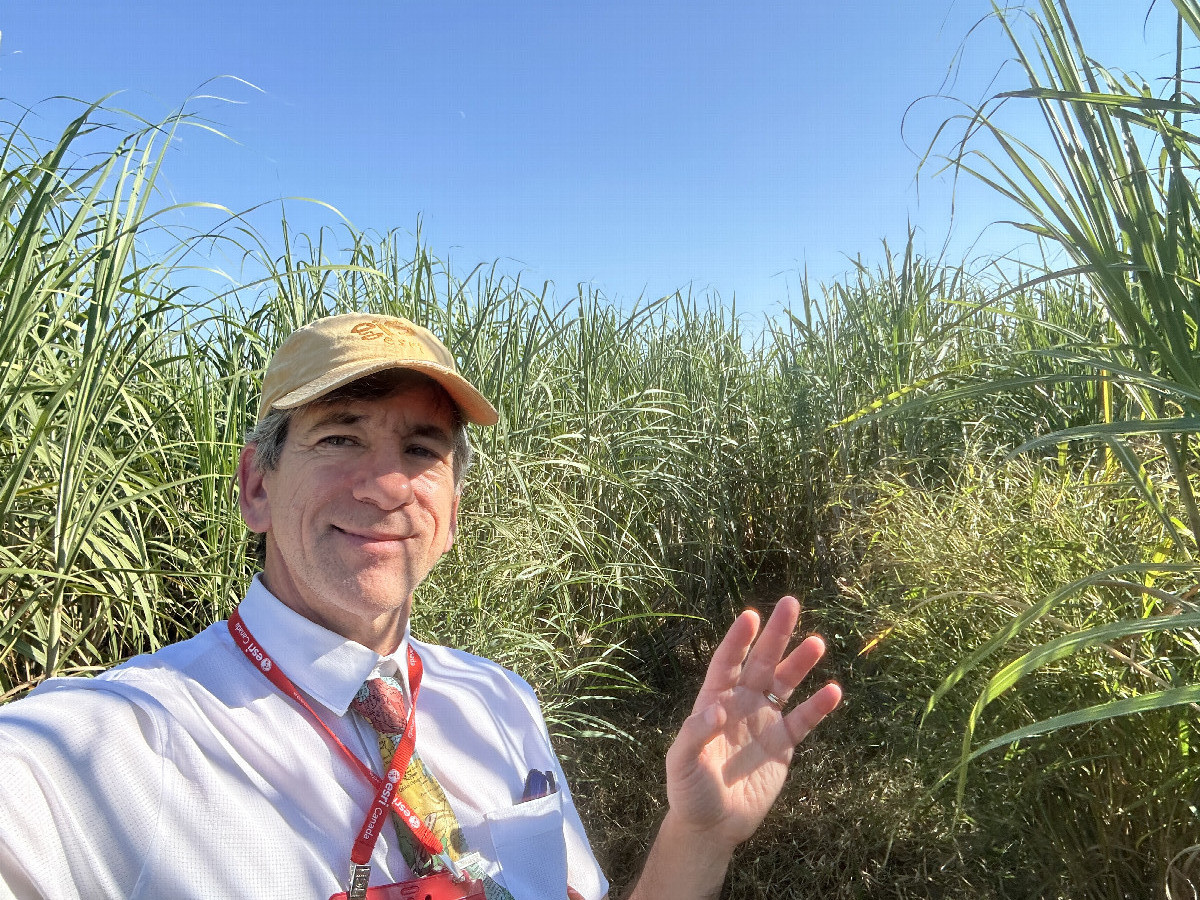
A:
x: 530, y: 847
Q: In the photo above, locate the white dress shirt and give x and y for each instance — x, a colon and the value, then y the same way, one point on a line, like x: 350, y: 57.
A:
x: 186, y: 773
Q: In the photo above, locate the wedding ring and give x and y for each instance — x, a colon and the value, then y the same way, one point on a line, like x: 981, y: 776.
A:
x: 773, y: 700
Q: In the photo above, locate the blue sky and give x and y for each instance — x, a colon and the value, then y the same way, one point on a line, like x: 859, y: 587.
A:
x: 636, y: 147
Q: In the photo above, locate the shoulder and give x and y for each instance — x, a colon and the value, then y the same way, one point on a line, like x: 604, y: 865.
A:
x: 445, y: 661
x: 136, y: 697
x: 197, y: 659
x: 501, y: 690
x: 67, y: 715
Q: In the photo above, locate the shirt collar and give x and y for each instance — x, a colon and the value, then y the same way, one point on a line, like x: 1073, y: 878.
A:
x: 323, y: 664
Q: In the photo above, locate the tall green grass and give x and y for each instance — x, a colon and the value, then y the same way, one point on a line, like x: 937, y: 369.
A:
x: 91, y: 407
x: 1097, y: 811
x: 1118, y: 202
x: 1116, y: 199
x: 657, y: 467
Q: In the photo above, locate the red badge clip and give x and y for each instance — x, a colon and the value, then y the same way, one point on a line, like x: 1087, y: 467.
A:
x: 433, y: 887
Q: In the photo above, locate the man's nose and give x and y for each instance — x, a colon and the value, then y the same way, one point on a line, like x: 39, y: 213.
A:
x: 381, y: 480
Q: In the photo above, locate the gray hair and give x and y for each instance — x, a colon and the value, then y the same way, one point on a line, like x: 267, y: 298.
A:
x: 270, y: 434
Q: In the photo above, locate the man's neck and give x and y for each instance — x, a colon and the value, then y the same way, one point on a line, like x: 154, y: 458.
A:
x: 382, y: 634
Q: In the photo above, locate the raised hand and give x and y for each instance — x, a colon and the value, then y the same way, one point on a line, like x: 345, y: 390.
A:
x: 731, y: 757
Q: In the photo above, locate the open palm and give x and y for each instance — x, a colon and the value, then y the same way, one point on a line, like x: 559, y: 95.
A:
x: 731, y: 757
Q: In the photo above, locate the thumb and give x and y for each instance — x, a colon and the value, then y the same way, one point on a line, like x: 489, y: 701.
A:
x: 697, y: 730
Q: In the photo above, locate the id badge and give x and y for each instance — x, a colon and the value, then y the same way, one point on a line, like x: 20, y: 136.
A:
x: 432, y: 887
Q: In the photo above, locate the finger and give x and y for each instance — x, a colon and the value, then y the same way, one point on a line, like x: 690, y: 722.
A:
x: 795, y: 668
x: 808, y: 715
x: 726, y: 663
x: 759, y: 671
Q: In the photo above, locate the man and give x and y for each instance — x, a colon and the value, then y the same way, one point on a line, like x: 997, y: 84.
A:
x: 261, y: 758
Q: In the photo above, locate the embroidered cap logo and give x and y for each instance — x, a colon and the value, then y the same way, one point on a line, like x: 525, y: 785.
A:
x: 388, y: 332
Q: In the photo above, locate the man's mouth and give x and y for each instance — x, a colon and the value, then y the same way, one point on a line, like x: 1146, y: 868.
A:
x: 370, y: 536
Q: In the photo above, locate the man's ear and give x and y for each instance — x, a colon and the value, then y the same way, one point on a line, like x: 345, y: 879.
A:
x: 252, y: 492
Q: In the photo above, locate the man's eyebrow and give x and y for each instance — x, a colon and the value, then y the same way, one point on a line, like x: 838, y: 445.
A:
x: 435, y: 432
x: 336, y: 417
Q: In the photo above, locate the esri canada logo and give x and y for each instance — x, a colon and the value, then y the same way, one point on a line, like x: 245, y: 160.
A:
x: 266, y: 664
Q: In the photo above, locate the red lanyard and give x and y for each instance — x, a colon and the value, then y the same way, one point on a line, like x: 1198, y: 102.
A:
x: 386, y: 794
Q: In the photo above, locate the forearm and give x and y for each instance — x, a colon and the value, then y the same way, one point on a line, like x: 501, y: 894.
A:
x: 681, y: 864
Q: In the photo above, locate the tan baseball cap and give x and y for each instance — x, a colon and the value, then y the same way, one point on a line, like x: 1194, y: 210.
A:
x: 336, y: 350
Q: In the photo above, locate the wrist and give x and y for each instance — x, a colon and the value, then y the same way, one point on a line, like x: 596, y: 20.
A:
x: 684, y: 862
x: 710, y: 846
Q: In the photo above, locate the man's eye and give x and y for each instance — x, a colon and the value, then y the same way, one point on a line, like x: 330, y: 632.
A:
x: 337, y: 440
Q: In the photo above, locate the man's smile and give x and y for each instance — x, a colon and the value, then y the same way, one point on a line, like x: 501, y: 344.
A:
x: 371, y: 536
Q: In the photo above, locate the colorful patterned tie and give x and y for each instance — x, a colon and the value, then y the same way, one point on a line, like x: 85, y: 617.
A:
x: 381, y: 702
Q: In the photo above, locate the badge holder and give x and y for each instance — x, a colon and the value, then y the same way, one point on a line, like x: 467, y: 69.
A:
x: 441, y: 886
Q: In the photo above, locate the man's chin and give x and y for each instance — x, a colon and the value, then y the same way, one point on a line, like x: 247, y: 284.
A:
x: 379, y: 599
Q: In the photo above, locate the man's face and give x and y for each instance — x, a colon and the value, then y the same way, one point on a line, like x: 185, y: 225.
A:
x: 360, y: 507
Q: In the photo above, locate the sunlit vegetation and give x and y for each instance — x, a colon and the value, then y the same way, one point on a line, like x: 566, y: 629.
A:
x: 979, y: 484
